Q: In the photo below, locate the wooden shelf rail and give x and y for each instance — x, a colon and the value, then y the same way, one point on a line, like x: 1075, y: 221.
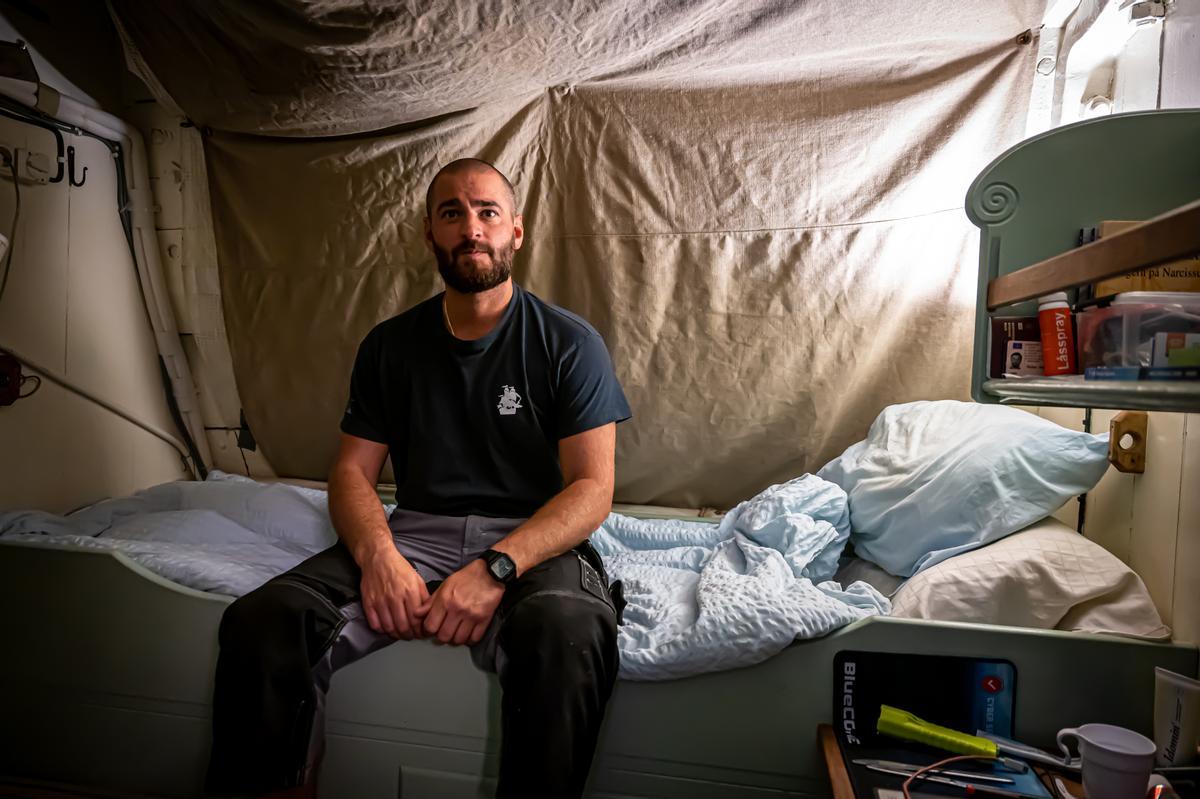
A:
x: 1168, y: 237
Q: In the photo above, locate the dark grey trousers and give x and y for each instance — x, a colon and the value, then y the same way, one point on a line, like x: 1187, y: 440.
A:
x: 552, y: 643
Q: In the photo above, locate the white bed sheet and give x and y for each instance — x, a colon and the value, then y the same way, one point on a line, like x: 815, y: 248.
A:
x: 702, y: 596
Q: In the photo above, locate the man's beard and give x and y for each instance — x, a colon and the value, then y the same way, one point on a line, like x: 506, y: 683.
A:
x: 465, y: 278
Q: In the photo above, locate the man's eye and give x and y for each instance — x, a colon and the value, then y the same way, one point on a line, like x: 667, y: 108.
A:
x: 490, y: 213
x: 449, y: 214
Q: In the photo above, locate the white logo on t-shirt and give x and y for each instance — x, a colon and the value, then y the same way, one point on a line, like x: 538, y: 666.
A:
x: 510, y: 400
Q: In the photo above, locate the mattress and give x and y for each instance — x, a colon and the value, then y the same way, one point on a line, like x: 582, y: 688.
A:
x: 700, y: 597
x: 230, y: 534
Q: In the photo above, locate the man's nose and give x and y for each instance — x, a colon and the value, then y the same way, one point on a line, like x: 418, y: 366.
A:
x: 472, y: 227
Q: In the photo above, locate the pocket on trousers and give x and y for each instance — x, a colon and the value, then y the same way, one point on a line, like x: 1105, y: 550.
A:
x: 592, y: 583
x: 594, y: 580
x: 617, y: 592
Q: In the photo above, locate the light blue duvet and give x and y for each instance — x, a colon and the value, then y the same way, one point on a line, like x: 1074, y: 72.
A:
x: 702, y: 596
x: 707, y: 597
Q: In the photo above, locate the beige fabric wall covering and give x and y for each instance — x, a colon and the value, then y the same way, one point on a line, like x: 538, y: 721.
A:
x: 764, y: 218
x: 324, y: 67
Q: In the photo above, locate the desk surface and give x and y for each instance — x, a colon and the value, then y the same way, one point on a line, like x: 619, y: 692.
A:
x: 838, y: 778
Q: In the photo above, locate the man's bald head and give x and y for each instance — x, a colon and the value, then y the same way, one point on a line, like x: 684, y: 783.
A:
x: 470, y: 165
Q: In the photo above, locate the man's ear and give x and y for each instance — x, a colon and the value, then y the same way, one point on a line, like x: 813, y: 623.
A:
x: 429, y: 234
x: 518, y: 231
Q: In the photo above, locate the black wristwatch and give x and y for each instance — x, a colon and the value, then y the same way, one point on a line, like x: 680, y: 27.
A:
x: 500, y: 566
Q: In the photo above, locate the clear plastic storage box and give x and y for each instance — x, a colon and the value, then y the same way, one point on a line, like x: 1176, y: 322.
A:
x: 1124, y: 333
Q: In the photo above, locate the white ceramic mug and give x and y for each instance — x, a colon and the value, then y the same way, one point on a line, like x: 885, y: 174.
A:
x: 1116, y: 761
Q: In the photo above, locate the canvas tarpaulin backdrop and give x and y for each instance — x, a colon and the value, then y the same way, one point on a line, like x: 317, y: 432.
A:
x: 758, y: 204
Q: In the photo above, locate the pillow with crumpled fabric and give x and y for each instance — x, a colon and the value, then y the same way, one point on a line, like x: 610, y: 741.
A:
x: 936, y: 479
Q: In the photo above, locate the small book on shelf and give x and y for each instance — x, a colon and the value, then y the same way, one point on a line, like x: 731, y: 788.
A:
x: 1142, y: 373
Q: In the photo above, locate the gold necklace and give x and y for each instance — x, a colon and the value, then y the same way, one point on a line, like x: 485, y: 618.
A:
x: 446, y: 317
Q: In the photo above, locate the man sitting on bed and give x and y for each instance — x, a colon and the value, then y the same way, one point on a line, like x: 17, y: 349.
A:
x: 499, y: 413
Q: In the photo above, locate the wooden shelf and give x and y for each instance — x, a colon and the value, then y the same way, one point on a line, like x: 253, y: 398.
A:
x: 1029, y: 205
x: 1168, y: 237
x: 1180, y: 396
x: 1171, y: 236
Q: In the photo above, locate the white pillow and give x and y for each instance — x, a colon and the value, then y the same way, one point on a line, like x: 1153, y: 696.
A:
x: 934, y: 479
x: 1047, y: 576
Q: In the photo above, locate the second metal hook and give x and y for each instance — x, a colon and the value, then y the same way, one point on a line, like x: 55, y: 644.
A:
x: 71, y: 168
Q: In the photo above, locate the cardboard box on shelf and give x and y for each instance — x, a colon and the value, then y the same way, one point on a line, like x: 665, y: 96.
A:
x: 1181, y: 275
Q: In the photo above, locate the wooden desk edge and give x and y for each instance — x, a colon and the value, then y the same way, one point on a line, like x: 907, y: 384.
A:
x: 838, y: 777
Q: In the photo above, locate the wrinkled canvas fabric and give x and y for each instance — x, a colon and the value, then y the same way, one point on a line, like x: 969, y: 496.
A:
x: 758, y: 204
x: 335, y: 67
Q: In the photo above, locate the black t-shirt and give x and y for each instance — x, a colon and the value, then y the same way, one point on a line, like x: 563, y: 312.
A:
x: 472, y: 427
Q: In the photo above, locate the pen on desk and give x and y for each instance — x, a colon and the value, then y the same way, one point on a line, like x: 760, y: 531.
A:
x: 973, y: 787
x: 909, y: 768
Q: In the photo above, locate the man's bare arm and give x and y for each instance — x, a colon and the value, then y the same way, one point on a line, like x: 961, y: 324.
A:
x: 461, y: 609
x: 392, y: 591
x: 354, y: 506
x: 574, y: 513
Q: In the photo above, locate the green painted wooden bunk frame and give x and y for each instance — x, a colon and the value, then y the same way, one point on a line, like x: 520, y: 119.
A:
x: 108, y: 674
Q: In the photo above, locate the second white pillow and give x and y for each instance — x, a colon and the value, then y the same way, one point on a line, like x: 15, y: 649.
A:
x: 1047, y: 576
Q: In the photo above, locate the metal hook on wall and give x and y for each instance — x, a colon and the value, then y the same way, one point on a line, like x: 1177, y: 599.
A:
x: 71, y: 168
x: 60, y: 159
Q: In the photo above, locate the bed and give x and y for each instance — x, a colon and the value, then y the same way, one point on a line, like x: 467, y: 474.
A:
x: 110, y: 674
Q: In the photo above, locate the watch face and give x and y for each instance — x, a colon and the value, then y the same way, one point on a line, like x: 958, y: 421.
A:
x: 502, y: 567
